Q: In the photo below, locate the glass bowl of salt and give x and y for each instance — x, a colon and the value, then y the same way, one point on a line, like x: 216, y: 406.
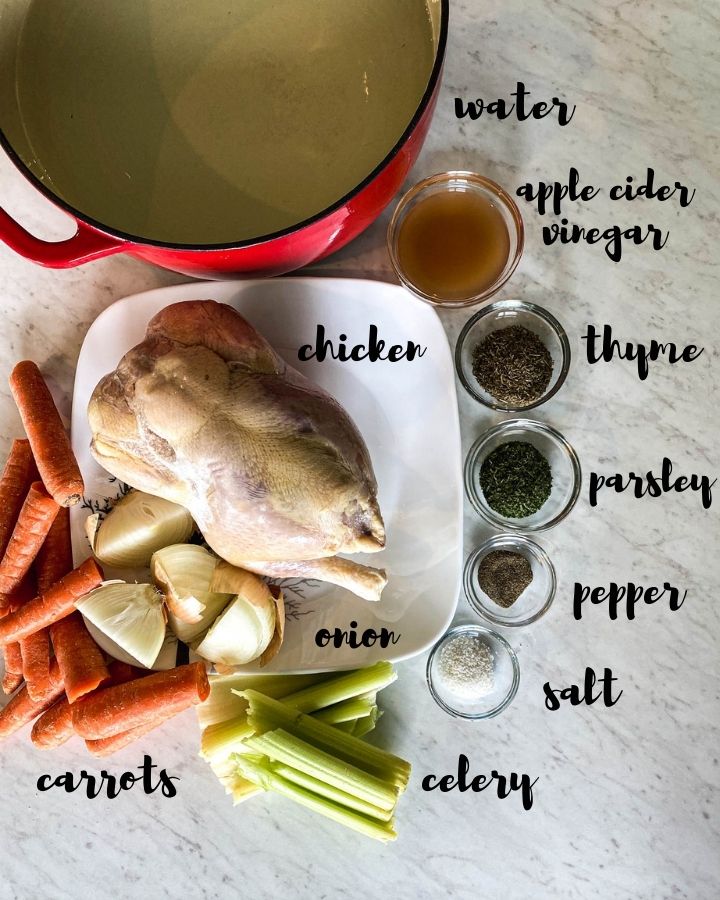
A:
x: 472, y: 672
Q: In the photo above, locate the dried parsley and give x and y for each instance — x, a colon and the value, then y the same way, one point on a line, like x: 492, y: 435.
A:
x: 513, y: 365
x: 516, y: 479
x: 503, y: 575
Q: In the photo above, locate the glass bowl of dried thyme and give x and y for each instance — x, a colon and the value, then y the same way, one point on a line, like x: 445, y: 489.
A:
x: 512, y: 356
x: 509, y: 580
x: 522, y: 475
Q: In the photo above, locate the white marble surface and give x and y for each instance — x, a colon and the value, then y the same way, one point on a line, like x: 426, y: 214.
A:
x: 627, y: 799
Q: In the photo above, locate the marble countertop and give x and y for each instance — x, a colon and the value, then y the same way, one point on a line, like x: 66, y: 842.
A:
x: 626, y: 803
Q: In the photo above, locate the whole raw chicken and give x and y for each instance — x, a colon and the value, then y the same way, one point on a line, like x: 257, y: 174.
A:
x: 276, y: 475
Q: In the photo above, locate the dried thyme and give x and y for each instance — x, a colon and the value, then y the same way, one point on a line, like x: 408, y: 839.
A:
x: 513, y: 365
x: 503, y: 575
x: 516, y: 479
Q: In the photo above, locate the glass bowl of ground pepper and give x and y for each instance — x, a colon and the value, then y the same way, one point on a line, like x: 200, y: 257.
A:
x: 522, y: 475
x: 513, y: 355
x: 509, y: 580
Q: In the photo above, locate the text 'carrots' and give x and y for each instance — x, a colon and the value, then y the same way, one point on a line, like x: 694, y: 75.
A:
x: 19, y: 473
x: 50, y: 445
x: 136, y: 703
x: 82, y: 665
x: 36, y: 517
x: 52, y: 605
x: 23, y: 709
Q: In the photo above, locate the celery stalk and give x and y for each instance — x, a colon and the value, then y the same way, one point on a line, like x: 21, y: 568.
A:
x: 347, y: 711
x: 361, y: 727
x: 222, y: 738
x: 262, y: 774
x: 347, y: 727
x: 309, y: 693
x: 267, y: 714
x: 341, y: 687
x: 279, y: 746
x: 331, y: 793
x: 223, y: 703
x: 242, y: 789
x: 219, y: 740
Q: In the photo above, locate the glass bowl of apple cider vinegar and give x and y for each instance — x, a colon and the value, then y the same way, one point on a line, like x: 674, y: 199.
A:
x: 455, y: 239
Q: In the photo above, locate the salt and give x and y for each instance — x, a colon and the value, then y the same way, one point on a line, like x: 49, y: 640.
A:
x: 465, y: 666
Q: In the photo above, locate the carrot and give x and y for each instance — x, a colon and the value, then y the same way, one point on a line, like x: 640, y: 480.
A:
x: 54, y: 559
x: 48, y: 439
x: 36, y: 517
x: 23, y: 709
x: 120, y: 672
x: 52, y: 605
x: 19, y: 473
x: 81, y: 662
x: 17, y: 477
x: 13, y: 663
x: 35, y: 653
x: 12, y: 660
x: 109, y: 745
x: 11, y: 682
x: 54, y: 727
x: 133, y: 704
x: 12, y: 653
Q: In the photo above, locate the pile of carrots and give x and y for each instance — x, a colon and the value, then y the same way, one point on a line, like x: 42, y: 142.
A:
x: 57, y: 674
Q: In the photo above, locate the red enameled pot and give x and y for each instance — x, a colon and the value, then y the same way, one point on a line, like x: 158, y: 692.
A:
x: 271, y: 254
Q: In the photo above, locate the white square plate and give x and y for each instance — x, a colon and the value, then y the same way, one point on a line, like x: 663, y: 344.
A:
x: 407, y: 413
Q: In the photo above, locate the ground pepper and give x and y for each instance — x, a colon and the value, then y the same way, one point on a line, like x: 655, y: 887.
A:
x: 513, y: 365
x: 503, y: 575
x: 516, y: 479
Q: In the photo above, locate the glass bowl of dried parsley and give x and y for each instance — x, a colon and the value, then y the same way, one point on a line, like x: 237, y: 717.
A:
x: 509, y: 580
x: 522, y: 475
x: 513, y: 355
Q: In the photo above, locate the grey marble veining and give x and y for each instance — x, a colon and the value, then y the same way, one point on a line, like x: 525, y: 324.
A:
x: 626, y: 804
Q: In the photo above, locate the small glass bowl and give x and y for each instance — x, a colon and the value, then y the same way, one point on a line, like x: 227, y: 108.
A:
x: 534, y: 601
x: 501, y: 314
x: 459, y: 181
x: 564, y: 463
x: 506, y: 672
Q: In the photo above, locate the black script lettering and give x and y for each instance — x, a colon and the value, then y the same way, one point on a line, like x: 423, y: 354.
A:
x: 629, y: 191
x: 112, y: 785
x: 504, y: 786
x: 373, y: 351
x: 606, y: 348
x: 558, y: 192
x: 350, y: 638
x: 553, y: 696
x: 613, y: 236
x: 499, y: 108
x: 651, y: 485
x: 629, y: 595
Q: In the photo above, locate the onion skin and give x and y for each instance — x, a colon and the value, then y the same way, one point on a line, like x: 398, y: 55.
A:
x: 136, y: 527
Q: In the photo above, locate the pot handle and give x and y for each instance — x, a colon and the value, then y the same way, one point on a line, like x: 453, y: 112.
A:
x: 85, y: 245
